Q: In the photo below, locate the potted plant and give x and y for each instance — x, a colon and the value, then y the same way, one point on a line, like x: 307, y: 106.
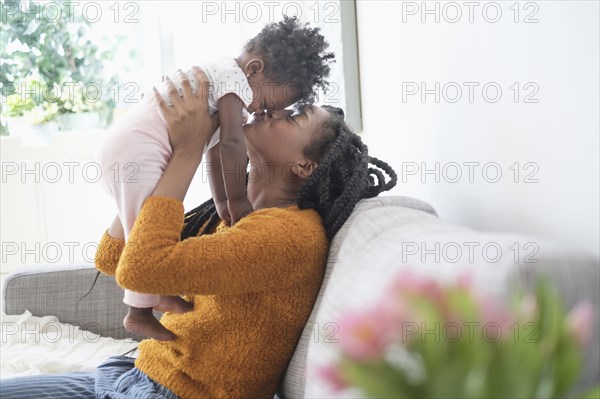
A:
x: 427, y: 340
x: 29, y: 118
x: 52, y: 70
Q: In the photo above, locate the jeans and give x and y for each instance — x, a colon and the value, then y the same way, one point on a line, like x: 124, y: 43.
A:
x: 117, y: 378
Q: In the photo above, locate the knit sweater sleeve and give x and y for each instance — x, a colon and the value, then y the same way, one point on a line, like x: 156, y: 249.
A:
x: 108, y: 253
x: 269, y: 249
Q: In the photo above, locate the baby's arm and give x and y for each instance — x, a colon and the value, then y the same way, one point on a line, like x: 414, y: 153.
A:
x: 216, y: 183
x: 233, y: 156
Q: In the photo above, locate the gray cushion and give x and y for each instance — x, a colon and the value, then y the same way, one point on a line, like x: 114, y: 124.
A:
x: 59, y: 290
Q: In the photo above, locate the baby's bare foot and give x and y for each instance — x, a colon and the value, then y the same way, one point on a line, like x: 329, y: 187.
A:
x: 141, y: 321
x: 173, y: 304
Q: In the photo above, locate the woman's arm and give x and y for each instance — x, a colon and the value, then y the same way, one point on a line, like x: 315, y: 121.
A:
x: 190, y: 116
x: 110, y: 248
x: 269, y: 249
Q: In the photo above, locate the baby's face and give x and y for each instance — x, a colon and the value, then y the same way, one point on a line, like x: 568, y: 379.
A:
x: 271, y: 97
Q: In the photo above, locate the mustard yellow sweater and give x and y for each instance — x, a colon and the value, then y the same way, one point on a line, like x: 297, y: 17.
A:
x: 253, y: 287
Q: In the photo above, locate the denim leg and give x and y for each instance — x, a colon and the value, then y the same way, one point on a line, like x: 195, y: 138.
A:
x: 49, y: 386
x: 118, y: 378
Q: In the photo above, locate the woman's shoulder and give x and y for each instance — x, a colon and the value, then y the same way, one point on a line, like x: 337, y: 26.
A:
x: 293, y: 212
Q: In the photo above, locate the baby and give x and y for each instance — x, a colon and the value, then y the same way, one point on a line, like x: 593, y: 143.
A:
x: 285, y: 63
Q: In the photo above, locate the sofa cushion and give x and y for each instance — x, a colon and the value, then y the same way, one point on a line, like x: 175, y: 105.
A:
x: 63, y: 290
x: 293, y: 385
x: 380, y: 241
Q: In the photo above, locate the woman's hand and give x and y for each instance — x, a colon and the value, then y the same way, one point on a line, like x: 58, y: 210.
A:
x: 189, y: 124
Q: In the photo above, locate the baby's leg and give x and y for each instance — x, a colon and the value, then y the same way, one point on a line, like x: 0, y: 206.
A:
x: 133, y: 159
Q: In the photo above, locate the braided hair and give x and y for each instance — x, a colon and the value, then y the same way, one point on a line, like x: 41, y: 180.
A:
x: 345, y: 175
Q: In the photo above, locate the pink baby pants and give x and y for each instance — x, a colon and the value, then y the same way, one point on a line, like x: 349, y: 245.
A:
x: 133, y: 158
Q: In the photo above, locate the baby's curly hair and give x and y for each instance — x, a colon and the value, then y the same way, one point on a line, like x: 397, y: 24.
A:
x: 294, y: 54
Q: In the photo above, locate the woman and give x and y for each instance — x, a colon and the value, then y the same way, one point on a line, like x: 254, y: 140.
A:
x: 250, y: 288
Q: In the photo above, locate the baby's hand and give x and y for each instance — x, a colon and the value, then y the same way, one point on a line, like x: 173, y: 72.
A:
x: 238, y: 209
x: 223, y: 211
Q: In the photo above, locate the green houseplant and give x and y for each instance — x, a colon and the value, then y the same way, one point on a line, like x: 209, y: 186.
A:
x: 51, y: 67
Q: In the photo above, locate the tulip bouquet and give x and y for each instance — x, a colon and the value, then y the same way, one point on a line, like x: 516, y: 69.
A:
x: 427, y: 340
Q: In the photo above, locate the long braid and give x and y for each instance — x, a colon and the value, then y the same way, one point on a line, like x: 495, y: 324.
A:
x: 344, y: 175
x: 382, y: 186
x: 196, y: 218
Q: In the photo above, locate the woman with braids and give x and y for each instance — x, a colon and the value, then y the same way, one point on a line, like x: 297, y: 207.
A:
x: 286, y: 62
x: 250, y: 286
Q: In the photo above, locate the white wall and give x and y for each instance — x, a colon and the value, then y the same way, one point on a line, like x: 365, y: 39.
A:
x: 52, y: 208
x: 559, y: 134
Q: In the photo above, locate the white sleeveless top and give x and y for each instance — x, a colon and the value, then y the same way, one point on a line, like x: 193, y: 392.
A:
x: 225, y: 77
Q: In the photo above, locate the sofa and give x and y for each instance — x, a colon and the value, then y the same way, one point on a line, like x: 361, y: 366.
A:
x: 383, y: 236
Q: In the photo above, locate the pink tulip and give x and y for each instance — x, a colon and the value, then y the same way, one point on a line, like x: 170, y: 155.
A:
x: 363, y: 335
x: 394, y: 308
x: 331, y: 374
x: 408, y: 284
x: 465, y: 281
x: 496, y: 319
x: 580, y: 322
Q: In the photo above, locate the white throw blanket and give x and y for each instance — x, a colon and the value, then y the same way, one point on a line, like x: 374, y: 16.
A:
x: 42, y: 345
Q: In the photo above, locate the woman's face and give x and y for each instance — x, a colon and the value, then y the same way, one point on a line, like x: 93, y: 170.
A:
x: 282, y: 136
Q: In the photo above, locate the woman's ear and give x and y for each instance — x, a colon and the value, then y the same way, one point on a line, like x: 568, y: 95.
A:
x: 304, y: 169
x: 254, y: 66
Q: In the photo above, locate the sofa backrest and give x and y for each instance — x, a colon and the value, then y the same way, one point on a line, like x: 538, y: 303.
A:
x: 293, y: 385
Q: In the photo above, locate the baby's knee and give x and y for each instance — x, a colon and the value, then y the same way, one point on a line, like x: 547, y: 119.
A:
x: 113, y: 149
